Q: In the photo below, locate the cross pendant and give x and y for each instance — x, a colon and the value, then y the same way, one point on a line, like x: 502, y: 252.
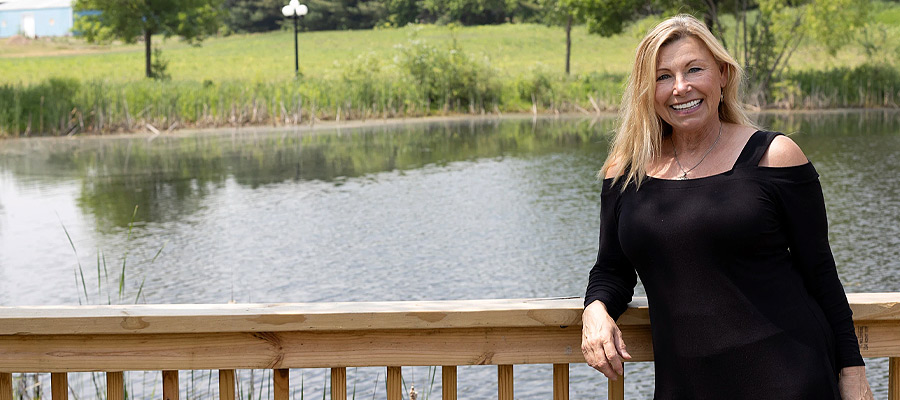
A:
x: 683, y: 176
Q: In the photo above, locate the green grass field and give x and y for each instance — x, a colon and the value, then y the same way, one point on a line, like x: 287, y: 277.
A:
x: 64, y: 85
x: 512, y: 48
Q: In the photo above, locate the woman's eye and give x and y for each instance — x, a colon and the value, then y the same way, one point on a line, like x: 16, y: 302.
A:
x: 662, y: 77
x: 695, y: 69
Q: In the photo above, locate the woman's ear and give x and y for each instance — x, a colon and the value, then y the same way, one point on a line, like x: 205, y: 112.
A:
x: 723, y: 71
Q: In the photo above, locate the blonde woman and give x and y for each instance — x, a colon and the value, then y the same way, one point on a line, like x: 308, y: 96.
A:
x: 725, y: 224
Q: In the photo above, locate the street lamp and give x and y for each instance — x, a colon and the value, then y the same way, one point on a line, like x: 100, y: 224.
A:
x: 294, y: 10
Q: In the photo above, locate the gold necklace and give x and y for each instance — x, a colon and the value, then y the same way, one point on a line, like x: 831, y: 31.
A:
x: 675, y: 149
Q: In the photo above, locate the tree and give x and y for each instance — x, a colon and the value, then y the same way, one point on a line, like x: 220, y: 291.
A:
x: 133, y: 19
x: 607, y: 17
x: 561, y: 13
x: 765, y: 41
x: 254, y: 15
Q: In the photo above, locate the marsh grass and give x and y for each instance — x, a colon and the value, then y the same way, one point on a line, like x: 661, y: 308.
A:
x: 422, y: 80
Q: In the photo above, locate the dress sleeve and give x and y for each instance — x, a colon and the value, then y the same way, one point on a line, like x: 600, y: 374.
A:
x: 803, y: 207
x: 612, y: 278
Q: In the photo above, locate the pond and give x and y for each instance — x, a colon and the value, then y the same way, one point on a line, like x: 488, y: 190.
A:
x: 460, y: 209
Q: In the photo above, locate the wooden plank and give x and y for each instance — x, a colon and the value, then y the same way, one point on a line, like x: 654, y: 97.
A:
x: 560, y: 381
x: 485, y: 346
x: 617, y: 387
x: 170, y: 385
x: 199, y: 318
x: 59, y: 386
x: 448, y: 382
x: 394, y: 383
x: 6, y: 388
x: 282, y: 383
x: 115, y: 385
x: 894, y: 379
x: 349, y: 316
x: 226, y: 384
x: 339, y: 383
x: 505, y: 382
x: 878, y: 339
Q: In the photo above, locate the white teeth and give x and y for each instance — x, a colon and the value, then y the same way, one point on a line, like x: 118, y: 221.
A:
x: 686, y: 105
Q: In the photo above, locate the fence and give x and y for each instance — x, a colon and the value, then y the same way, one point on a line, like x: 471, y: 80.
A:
x: 169, y: 338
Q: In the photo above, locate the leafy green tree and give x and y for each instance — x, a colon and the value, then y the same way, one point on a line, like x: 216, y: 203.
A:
x: 607, y: 17
x: 130, y: 20
x: 342, y: 14
x: 254, y: 15
x: 561, y: 13
x: 766, y: 37
x: 402, y: 12
x: 470, y: 12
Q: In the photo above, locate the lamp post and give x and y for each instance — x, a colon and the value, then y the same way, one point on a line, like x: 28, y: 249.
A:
x: 294, y: 10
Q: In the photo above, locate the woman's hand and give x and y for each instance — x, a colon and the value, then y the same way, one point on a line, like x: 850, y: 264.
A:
x: 854, y: 385
x: 601, y: 341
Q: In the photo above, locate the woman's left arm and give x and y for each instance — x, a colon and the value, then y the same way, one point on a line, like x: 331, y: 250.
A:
x: 803, y: 206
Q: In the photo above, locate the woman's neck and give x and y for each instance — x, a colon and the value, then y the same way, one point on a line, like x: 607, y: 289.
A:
x: 690, y: 142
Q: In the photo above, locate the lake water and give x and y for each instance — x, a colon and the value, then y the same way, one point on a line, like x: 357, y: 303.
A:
x: 487, y: 208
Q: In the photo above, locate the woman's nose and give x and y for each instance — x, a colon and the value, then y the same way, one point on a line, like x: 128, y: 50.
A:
x: 681, y: 86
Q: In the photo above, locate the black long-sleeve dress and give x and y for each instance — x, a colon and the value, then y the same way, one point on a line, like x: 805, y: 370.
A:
x: 745, y: 301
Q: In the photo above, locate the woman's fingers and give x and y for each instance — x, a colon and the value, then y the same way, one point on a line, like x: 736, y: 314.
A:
x: 620, y: 344
x: 612, y: 355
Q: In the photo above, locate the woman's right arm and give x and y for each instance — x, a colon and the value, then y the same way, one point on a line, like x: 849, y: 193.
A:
x: 610, y: 287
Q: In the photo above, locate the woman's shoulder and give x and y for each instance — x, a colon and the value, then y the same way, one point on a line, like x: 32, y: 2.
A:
x: 783, y: 152
x: 614, y: 168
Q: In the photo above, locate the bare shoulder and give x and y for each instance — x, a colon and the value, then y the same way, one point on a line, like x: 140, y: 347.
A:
x: 614, y: 168
x: 783, y: 152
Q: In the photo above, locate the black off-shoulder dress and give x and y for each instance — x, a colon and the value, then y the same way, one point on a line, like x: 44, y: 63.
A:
x: 745, y: 301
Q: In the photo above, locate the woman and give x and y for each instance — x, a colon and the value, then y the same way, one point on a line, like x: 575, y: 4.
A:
x: 726, y: 226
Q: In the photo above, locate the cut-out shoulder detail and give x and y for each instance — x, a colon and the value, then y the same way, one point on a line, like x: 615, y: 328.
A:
x: 613, y: 170
x: 783, y: 152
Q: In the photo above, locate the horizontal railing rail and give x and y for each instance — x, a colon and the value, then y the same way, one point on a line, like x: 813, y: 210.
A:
x: 169, y: 338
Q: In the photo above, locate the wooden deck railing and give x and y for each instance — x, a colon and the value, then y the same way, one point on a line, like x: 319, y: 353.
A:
x: 169, y: 338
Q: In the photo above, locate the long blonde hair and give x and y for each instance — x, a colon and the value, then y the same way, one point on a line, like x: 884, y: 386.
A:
x: 639, y: 135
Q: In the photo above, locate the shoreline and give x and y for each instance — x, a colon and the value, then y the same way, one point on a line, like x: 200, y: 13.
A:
x: 331, y: 125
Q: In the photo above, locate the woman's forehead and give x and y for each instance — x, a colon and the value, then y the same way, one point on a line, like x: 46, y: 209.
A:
x: 683, y: 50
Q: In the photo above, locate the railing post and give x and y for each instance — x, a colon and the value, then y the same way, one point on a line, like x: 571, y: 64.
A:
x: 282, y: 381
x: 6, y: 386
x: 394, y: 383
x: 59, y: 386
x: 226, y: 384
x: 115, y: 385
x: 617, y: 387
x: 170, y: 385
x: 339, y: 383
x: 448, y: 382
x: 505, y: 382
x: 894, y: 379
x: 560, y: 381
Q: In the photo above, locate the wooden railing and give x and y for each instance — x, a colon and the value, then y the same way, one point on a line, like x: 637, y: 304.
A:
x: 169, y: 338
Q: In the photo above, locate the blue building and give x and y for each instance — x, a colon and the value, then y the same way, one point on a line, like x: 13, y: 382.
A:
x: 34, y: 18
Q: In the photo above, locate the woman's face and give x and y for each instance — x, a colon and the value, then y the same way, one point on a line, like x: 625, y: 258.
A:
x: 689, y: 85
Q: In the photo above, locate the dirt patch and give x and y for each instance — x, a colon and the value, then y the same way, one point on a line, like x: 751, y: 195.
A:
x: 17, y: 40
